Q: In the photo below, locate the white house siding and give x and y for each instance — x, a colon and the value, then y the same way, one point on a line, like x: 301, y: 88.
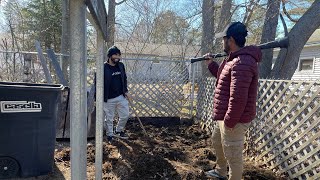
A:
x: 309, y: 75
x: 310, y: 51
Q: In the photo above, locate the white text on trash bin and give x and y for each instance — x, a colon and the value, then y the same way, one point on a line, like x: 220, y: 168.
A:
x: 20, y: 106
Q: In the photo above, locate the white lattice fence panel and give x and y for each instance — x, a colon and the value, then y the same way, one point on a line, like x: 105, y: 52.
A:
x: 205, y: 102
x: 285, y: 135
x: 157, y: 88
x: 286, y: 132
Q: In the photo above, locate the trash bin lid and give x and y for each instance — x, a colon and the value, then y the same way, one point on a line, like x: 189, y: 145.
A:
x: 15, y: 85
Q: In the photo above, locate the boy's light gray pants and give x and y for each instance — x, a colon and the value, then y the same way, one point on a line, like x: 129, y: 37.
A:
x: 121, y: 105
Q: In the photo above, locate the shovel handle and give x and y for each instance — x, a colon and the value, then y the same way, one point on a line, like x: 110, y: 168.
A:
x: 144, y: 131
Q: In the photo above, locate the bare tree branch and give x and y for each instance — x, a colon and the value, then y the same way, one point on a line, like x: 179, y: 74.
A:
x: 286, y: 13
x: 120, y: 2
x: 252, y: 6
x: 284, y: 25
x: 193, y: 15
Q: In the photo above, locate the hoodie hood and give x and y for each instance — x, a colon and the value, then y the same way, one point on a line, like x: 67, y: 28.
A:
x: 253, y: 51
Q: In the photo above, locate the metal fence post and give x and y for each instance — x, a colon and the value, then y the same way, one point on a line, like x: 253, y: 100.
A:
x: 192, y: 89
x: 99, y: 104
x: 78, y: 93
x: 27, y: 68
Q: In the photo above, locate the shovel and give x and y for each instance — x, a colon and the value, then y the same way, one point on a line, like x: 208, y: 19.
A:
x: 144, y: 131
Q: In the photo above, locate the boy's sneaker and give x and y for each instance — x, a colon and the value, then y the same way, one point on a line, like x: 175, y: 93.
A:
x: 121, y: 135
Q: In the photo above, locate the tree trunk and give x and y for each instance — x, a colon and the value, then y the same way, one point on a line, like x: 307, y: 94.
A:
x: 13, y: 47
x: 65, y: 41
x: 224, y: 20
x: 207, y: 30
x: 288, y: 59
x: 269, y: 34
x: 111, y: 22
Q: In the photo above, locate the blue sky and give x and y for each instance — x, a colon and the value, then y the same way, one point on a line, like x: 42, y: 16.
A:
x: 182, y: 7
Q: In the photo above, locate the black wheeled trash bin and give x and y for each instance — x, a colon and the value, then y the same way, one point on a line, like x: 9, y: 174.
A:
x: 28, y: 114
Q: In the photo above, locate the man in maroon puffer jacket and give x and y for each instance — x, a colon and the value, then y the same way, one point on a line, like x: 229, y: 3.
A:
x: 234, y: 100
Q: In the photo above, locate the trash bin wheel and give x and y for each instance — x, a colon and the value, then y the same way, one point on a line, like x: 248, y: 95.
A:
x: 9, y: 167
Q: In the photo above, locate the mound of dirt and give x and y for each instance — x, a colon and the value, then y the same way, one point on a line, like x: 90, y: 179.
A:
x: 175, y: 152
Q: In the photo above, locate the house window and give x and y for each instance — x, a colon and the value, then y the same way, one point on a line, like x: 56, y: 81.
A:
x: 306, y: 65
